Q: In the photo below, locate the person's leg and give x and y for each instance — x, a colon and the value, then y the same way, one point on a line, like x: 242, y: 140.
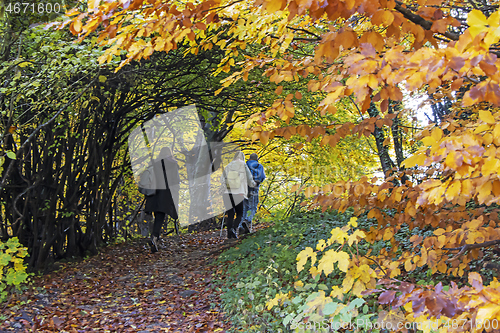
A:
x: 155, y: 235
x: 245, y: 208
x: 229, y: 204
x: 158, y: 224
x: 230, y: 223
x: 253, y: 201
x: 239, y: 214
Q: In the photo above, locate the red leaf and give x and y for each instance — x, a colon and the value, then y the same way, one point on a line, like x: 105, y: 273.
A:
x: 456, y: 63
x: 387, y: 297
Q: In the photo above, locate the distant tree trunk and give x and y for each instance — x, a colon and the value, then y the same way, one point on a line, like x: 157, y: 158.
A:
x: 396, y: 133
x: 382, y: 150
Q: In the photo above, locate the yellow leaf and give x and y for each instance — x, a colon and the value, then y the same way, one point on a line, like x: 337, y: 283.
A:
x: 487, y: 117
x: 496, y: 131
x: 481, y: 128
x: 24, y: 64
x: 93, y: 4
x: 276, y: 300
x: 102, y: 78
x: 477, y: 22
x: 417, y: 159
x: 343, y: 261
x: 337, y: 236
x: 273, y: 5
x: 333, y: 96
x: 488, y: 313
x: 475, y: 277
x: 428, y: 141
x: 437, y: 133
x: 494, y: 19
x: 347, y: 283
x: 358, y: 288
x: 298, y: 284
x: 382, y: 17
x: 484, y: 192
x: 388, y: 233
x: 353, y: 222
x: 474, y: 224
x: 325, y: 264
x: 356, y: 235
x: 490, y: 166
x: 337, y: 292
x: 408, y: 265
x: 453, y: 190
x: 303, y: 256
x: 365, y: 273
x: 314, y: 271
x: 321, y: 245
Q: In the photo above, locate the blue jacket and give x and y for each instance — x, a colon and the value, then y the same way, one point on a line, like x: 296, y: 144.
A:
x: 257, y: 171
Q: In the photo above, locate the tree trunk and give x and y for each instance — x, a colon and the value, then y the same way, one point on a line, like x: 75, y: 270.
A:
x: 382, y: 150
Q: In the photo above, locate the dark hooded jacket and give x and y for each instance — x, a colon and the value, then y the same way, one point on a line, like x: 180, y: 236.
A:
x: 166, y: 199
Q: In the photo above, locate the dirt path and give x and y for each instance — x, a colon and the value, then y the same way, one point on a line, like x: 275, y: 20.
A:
x: 127, y: 289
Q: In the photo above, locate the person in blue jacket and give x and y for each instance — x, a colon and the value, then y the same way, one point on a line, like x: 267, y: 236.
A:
x: 250, y: 204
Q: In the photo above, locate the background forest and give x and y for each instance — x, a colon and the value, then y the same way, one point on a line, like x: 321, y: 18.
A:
x: 376, y: 122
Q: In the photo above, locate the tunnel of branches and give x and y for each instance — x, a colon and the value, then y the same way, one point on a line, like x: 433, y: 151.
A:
x: 71, y: 188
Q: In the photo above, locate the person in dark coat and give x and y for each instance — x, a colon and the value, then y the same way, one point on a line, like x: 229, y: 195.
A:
x: 166, y: 199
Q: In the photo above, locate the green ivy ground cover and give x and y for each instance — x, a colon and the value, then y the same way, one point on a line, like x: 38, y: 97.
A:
x: 264, y: 264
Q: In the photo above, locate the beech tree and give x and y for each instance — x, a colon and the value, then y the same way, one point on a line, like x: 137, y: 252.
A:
x: 368, y: 52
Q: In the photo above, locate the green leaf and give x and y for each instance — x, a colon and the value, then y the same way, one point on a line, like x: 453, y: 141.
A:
x: 11, y: 155
x: 102, y: 78
x: 4, y: 259
x: 330, y: 308
x: 16, y: 278
x: 13, y: 242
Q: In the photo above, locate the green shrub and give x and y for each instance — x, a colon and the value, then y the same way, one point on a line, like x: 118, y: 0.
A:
x: 12, y: 266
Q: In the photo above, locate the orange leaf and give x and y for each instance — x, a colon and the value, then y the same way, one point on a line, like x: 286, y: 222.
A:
x: 382, y: 17
x: 264, y: 138
x: 347, y: 39
x: 76, y: 26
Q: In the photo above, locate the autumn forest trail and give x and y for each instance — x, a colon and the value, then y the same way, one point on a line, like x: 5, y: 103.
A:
x: 125, y: 288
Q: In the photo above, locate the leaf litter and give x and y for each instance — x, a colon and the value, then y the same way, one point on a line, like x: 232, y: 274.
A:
x: 125, y: 288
